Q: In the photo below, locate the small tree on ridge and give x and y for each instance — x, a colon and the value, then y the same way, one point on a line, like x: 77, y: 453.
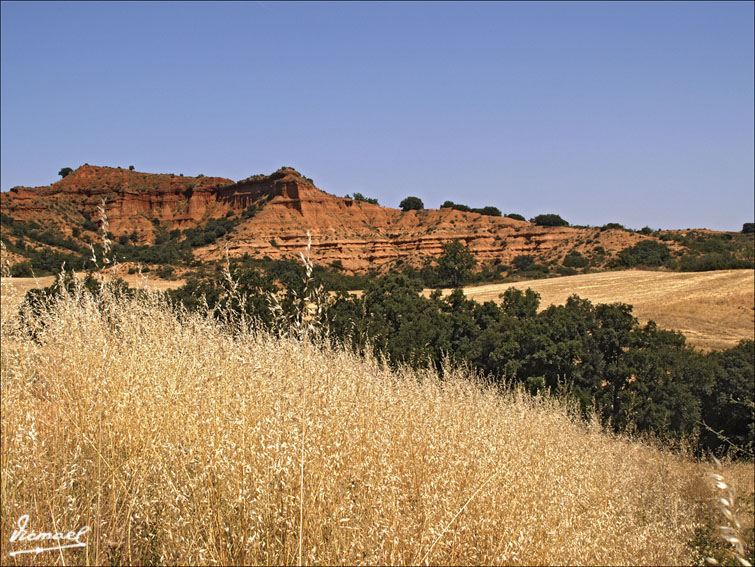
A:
x: 412, y: 204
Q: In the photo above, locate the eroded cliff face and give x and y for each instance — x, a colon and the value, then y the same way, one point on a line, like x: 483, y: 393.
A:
x: 362, y: 236
x: 357, y: 234
x: 132, y: 200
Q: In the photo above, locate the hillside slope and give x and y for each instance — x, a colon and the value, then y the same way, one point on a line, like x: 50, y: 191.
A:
x: 180, y: 441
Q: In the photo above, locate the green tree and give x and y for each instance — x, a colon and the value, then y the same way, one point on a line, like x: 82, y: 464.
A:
x: 21, y: 270
x: 456, y: 263
x: 402, y: 323
x: 65, y: 171
x: 728, y: 415
x: 549, y: 220
x: 412, y: 204
x: 360, y: 197
x: 613, y: 225
x: 561, y: 348
x: 489, y: 211
x: 649, y: 253
x: 523, y: 261
x: 456, y: 206
x: 520, y: 304
x: 574, y: 259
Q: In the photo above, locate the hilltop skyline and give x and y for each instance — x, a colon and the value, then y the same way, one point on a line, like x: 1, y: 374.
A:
x: 640, y: 114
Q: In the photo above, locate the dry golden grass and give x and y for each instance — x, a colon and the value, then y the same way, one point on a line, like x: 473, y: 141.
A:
x: 133, y: 280
x: 12, y: 290
x: 714, y: 309
x: 178, y: 441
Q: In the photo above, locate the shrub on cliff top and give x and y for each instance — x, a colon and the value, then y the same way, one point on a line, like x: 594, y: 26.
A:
x: 549, y: 220
x: 362, y: 198
x: 650, y: 253
x: 412, y: 204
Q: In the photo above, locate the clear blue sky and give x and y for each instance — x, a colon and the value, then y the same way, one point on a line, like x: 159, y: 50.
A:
x: 638, y: 113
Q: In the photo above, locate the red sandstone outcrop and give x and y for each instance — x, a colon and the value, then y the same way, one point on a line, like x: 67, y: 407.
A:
x: 357, y: 234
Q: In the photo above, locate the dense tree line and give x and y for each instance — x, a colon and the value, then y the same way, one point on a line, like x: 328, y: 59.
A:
x: 359, y: 197
x: 515, y: 216
x: 549, y: 219
x: 489, y: 210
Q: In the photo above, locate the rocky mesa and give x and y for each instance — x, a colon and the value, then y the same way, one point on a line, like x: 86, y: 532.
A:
x: 272, y: 215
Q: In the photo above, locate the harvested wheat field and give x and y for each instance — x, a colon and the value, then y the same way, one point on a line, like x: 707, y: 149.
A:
x: 714, y: 309
x: 181, y: 440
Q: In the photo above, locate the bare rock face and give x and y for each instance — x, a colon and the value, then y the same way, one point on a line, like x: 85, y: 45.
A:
x: 132, y: 199
x: 357, y: 234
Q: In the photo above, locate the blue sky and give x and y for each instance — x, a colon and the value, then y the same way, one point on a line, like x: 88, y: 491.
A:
x: 638, y: 113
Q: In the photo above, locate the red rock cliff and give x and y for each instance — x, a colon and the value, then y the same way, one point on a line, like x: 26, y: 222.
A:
x: 357, y: 234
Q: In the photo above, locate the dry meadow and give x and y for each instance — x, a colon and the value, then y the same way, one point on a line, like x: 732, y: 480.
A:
x: 178, y: 439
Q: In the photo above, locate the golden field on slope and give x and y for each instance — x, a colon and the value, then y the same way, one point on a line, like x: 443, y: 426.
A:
x: 714, y: 309
x: 178, y: 440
